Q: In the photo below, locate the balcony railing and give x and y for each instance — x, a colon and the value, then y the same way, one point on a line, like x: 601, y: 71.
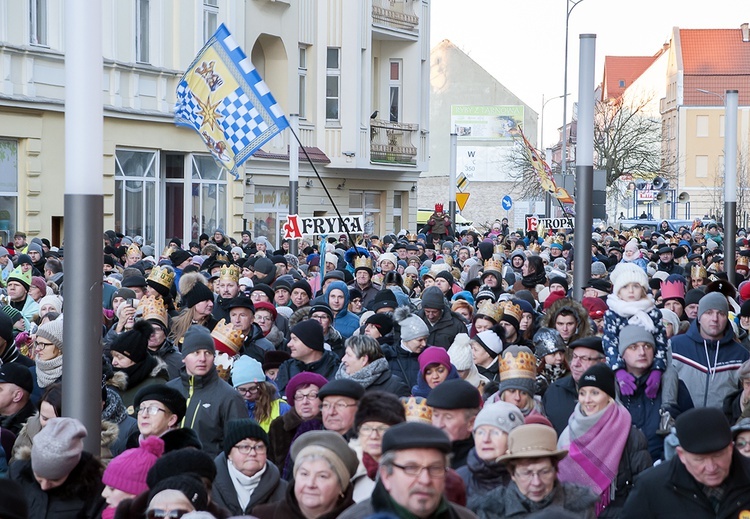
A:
x: 391, y: 142
x: 395, y: 14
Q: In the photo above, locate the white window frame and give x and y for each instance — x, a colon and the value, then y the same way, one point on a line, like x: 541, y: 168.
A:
x: 334, y: 73
x: 370, y: 226
x: 701, y: 125
x: 38, y: 25
x: 398, y: 210
x: 210, y: 18
x: 701, y: 166
x: 9, y: 191
x: 150, y: 234
x: 142, y: 31
x: 221, y: 213
x: 302, y: 73
x: 396, y: 85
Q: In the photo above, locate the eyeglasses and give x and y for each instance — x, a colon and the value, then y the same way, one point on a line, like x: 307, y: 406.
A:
x: 741, y: 444
x: 39, y: 345
x: 158, y: 513
x: 263, y: 318
x: 367, y: 430
x: 258, y: 448
x: 305, y: 396
x: 246, y: 390
x: 434, y: 471
x: 492, y: 432
x: 543, y: 475
x: 150, y: 410
x: 340, y: 406
x: 583, y: 358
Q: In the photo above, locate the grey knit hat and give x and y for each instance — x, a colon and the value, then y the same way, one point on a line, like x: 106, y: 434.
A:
x: 197, y: 338
x: 57, y: 448
x: 412, y: 326
x: 598, y: 268
x: 53, y: 332
x: 631, y: 334
x: 713, y: 301
x: 502, y: 415
x: 433, y: 298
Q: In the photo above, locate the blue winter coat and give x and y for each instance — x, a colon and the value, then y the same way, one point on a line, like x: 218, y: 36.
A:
x: 345, y: 322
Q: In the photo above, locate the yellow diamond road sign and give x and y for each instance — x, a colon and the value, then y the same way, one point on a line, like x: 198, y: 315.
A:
x: 461, y: 199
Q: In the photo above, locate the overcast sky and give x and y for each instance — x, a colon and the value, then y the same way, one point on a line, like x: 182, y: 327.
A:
x: 522, y: 42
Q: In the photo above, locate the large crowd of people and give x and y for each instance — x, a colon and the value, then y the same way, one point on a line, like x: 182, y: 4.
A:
x: 411, y: 375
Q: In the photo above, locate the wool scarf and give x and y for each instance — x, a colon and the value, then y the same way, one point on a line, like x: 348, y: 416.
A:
x: 48, y: 371
x: 244, y: 485
x: 532, y: 280
x: 595, y: 446
x: 635, y: 311
x: 367, y: 375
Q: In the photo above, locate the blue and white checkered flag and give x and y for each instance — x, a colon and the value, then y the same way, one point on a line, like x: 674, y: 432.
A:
x: 224, y: 99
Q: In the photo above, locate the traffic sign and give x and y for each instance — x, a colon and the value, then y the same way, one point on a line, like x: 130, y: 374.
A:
x: 462, y: 182
x: 507, y: 202
x: 461, y: 199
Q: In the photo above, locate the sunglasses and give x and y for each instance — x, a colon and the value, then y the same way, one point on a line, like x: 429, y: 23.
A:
x: 158, y: 513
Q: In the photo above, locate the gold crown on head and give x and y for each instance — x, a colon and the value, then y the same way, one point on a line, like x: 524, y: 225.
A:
x: 153, y: 308
x: 167, y: 252
x: 494, y: 265
x: 221, y: 256
x: 134, y: 249
x: 162, y: 275
x: 408, y: 282
x: 489, y: 309
x: 230, y: 273
x: 228, y: 335
x: 520, y: 365
x: 499, y: 249
x: 743, y: 261
x: 448, y: 259
x: 411, y: 237
x: 362, y: 262
x: 417, y: 410
x: 512, y: 310
x: 559, y: 239
x: 535, y: 247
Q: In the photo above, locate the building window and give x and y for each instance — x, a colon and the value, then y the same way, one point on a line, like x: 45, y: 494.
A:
x: 701, y: 166
x: 366, y: 203
x: 701, y: 126
x: 142, y: 31
x: 333, y: 83
x: 395, y: 90
x: 271, y: 211
x: 302, y: 72
x: 38, y: 19
x: 622, y: 83
x: 210, y: 18
x: 135, y: 193
x: 209, y: 194
x: 397, y: 211
x: 8, y: 190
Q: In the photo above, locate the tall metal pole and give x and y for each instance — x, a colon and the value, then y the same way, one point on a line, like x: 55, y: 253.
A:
x: 293, y: 174
x: 584, y: 165
x: 730, y: 181
x: 564, y: 149
x: 84, y: 213
x: 452, y: 182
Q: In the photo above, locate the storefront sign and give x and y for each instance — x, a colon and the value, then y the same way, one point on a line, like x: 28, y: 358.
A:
x: 297, y: 226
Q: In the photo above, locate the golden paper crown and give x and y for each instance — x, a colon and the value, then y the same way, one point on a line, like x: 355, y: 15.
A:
x: 134, y: 249
x: 230, y: 273
x: 448, y: 259
x: 162, y: 275
x: 167, y: 252
x: 408, y: 283
x: 154, y: 308
x: 743, y: 261
x: 499, y: 249
x: 411, y: 237
x: 489, y: 309
x: 221, y: 256
x: 520, y: 365
x: 228, y: 335
x: 559, y: 239
x: 535, y: 247
x: 512, y: 310
x: 362, y: 262
x: 494, y: 265
x: 417, y: 410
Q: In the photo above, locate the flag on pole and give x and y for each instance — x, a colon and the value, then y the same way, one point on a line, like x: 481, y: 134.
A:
x: 544, y: 173
x: 224, y: 99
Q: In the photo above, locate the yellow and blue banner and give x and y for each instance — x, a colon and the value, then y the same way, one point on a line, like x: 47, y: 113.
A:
x: 224, y: 99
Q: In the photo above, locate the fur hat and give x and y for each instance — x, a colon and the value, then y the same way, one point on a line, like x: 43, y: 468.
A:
x: 625, y: 273
x: 194, y: 289
x: 379, y: 406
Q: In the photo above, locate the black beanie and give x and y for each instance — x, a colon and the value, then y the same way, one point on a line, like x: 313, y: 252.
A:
x: 189, y: 485
x: 237, y: 430
x: 599, y: 376
x: 379, y: 406
x: 134, y: 343
x: 694, y: 296
x: 486, y: 249
x: 304, y: 285
x: 6, y: 329
x: 181, y: 438
x: 200, y: 292
x: 310, y: 332
x: 170, y: 397
x: 182, y: 461
x: 560, y: 281
x: 446, y: 276
x: 179, y: 256
x: 382, y: 322
x: 455, y: 394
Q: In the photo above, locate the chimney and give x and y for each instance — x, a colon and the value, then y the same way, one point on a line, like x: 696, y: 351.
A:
x: 745, y: 28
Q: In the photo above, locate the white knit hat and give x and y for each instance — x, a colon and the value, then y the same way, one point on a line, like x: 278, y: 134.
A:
x: 625, y: 273
x: 460, y: 352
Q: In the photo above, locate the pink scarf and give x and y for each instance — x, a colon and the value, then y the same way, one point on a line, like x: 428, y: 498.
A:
x: 596, y: 446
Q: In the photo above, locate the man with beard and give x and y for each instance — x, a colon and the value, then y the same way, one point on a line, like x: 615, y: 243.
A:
x: 229, y: 287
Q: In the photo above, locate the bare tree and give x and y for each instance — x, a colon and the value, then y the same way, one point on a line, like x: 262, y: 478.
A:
x: 716, y: 191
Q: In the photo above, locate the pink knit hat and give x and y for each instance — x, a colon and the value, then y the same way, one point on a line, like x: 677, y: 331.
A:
x: 434, y: 355
x: 127, y: 472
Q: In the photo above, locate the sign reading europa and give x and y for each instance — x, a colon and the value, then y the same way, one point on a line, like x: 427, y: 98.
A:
x: 297, y: 226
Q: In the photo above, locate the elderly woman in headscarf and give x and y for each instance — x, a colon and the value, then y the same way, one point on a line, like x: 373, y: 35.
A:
x: 321, y: 489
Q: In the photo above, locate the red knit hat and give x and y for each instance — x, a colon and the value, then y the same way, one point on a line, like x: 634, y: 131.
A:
x: 434, y: 355
x: 594, y: 306
x: 127, y: 472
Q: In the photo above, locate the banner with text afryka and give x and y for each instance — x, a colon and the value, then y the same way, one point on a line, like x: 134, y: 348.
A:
x: 296, y: 226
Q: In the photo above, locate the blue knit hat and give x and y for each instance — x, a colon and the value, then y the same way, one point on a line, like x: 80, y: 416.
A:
x: 246, y: 370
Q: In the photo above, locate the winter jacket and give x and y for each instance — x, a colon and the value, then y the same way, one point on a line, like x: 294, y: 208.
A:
x: 507, y: 501
x: 382, y: 503
x: 559, y: 402
x: 481, y: 476
x: 79, y: 497
x: 335, y: 341
x: 281, y: 433
x: 345, y: 322
x: 211, y: 403
x: 289, y: 509
x: 157, y: 376
x: 270, y: 489
x: 582, y: 316
x: 171, y: 356
x: 325, y: 366
x: 255, y: 344
x: 460, y: 451
x: 668, y: 490
x: 644, y: 412
x: 709, y: 369
x: 404, y: 364
x: 443, y: 332
x: 368, y: 292
x: 389, y: 382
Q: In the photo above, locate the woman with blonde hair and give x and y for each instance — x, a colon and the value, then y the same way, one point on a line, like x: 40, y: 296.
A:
x: 196, y: 302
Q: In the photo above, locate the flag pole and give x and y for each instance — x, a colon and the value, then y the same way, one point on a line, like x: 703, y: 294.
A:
x: 293, y: 176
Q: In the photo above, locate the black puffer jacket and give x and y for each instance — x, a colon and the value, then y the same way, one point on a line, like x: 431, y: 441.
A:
x: 404, y: 364
x: 270, y: 489
x: 481, y: 476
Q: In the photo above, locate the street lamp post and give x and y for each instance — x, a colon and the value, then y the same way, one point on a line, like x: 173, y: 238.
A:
x: 544, y: 103
x: 570, y: 5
